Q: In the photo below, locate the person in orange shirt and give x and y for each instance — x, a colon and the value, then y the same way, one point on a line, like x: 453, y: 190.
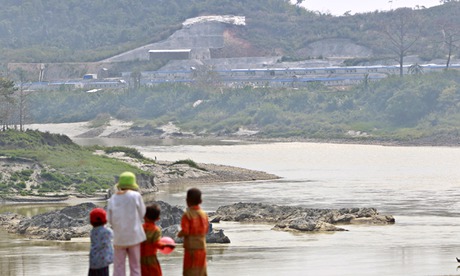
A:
x: 149, y: 261
x: 195, y: 226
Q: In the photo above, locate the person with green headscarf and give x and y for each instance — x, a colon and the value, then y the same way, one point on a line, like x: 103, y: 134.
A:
x: 125, y: 211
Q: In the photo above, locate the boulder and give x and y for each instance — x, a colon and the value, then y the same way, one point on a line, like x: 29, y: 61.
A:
x: 65, y: 224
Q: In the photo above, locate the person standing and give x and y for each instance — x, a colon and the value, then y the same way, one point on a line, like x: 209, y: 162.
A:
x: 150, y: 265
x: 194, y: 227
x: 125, y: 212
x: 101, y: 252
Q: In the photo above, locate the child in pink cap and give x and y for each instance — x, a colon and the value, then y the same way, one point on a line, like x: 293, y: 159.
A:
x: 101, y: 252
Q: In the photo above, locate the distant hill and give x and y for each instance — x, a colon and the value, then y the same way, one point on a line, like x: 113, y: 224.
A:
x: 85, y: 31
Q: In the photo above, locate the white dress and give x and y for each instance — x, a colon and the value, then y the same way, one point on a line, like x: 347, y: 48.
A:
x: 125, y: 213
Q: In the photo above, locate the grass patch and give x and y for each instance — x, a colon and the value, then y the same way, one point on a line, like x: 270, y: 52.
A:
x: 130, y: 152
x: 71, y: 167
x: 190, y: 163
x: 102, y: 119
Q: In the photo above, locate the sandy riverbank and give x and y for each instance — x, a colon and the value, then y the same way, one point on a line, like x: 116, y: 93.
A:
x: 122, y: 129
x: 212, y: 173
x: 165, y: 173
x: 80, y: 128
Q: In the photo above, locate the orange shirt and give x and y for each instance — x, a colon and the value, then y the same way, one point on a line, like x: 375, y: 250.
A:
x: 149, y: 262
x: 194, y: 226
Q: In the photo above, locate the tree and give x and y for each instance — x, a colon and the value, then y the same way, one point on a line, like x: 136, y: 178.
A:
x: 7, y: 90
x: 415, y: 69
x: 407, y: 106
x: 205, y: 76
x: 22, y: 97
x: 450, y: 38
x: 402, y: 30
x: 136, y: 77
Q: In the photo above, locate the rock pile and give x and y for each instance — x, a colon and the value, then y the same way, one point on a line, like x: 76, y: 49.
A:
x: 288, y: 218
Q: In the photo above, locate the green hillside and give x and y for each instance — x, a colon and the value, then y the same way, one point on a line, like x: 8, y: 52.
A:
x: 64, y: 31
x: 52, y: 163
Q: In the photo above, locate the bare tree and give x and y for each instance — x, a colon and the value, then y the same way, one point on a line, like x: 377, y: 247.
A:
x: 22, y: 94
x: 299, y: 2
x: 451, y: 36
x: 402, y: 30
x: 7, y: 90
x: 136, y: 77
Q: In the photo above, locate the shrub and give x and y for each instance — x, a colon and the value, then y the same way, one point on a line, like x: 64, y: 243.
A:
x: 20, y: 186
x: 131, y: 152
x: 23, y: 175
x: 4, y: 187
x: 190, y: 163
x: 57, y: 178
x: 101, y: 119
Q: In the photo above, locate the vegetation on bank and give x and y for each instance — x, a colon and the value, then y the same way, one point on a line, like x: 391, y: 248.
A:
x: 416, y: 106
x: 53, y: 164
x: 190, y: 163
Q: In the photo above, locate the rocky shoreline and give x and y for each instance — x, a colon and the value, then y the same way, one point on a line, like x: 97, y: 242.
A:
x: 299, y: 219
x: 72, y: 222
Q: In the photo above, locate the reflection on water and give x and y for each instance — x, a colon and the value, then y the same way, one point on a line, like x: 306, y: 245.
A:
x: 20, y: 256
x: 30, y: 210
x: 420, y: 186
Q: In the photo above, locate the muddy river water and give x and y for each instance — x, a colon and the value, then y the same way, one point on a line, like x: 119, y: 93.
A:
x: 419, y: 186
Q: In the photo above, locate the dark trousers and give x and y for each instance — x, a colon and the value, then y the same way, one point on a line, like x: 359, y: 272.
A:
x: 99, y: 271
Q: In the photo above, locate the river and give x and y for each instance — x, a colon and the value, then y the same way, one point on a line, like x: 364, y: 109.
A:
x: 419, y: 186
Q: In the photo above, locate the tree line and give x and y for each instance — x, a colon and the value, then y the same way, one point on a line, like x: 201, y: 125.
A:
x: 13, y: 101
x: 418, y: 105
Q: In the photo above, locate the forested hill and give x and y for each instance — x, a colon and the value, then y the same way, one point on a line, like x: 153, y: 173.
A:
x: 83, y: 30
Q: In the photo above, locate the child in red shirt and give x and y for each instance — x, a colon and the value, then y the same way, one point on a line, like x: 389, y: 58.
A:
x: 194, y: 226
x: 149, y: 261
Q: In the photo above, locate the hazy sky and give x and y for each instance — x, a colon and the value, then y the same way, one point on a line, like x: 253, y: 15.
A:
x: 339, y: 7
